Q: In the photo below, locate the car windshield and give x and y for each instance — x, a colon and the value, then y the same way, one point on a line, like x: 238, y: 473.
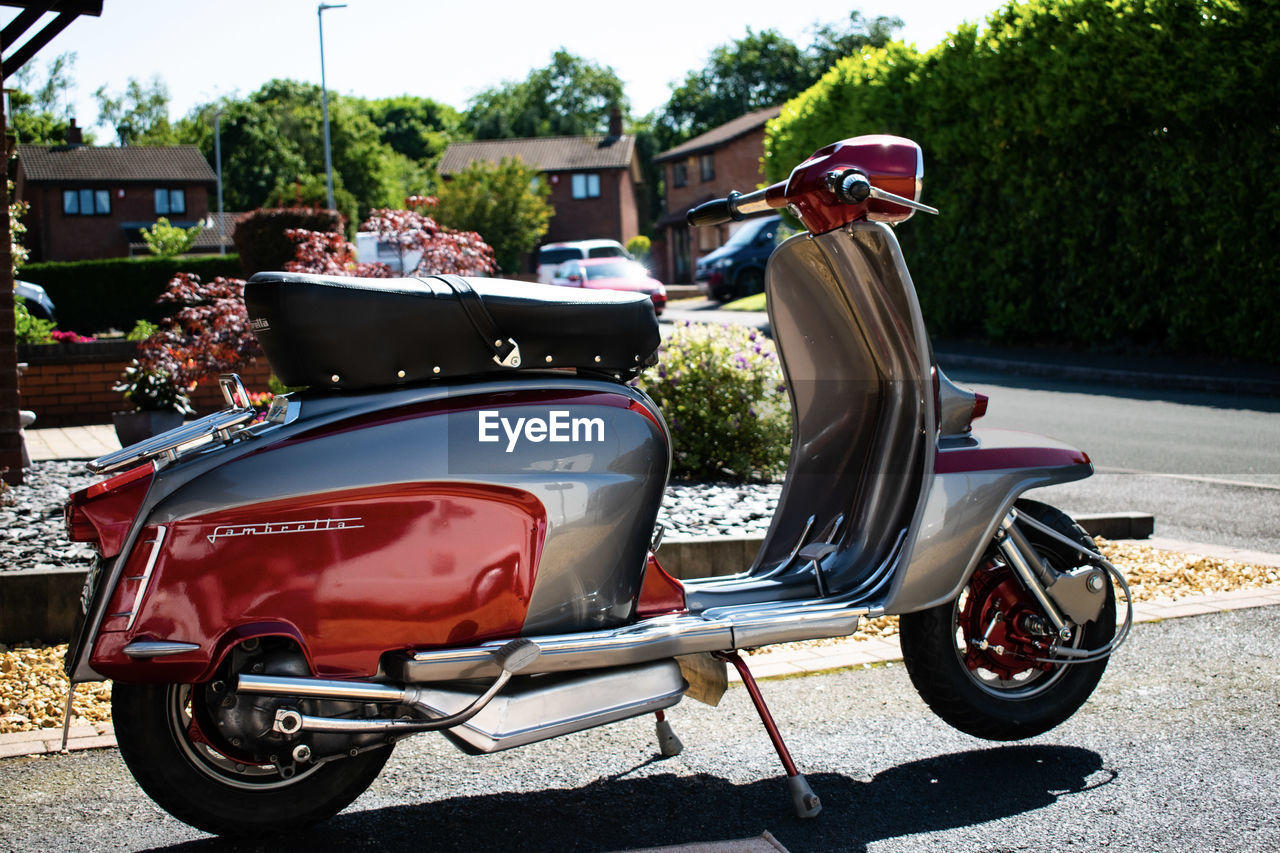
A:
x: 558, y: 256
x: 618, y: 269
x: 746, y: 235
x: 606, y: 252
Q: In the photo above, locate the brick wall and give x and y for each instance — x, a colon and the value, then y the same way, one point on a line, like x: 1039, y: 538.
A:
x: 737, y: 167
x: 70, y: 384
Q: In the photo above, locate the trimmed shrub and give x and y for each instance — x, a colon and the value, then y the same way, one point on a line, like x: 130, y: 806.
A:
x: 721, y: 391
x: 1105, y: 169
x: 260, y: 239
x: 93, y: 296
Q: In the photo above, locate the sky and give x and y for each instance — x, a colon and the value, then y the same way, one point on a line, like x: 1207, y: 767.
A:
x: 445, y: 51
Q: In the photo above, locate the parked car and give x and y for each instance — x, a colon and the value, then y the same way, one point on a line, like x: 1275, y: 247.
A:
x: 552, y: 255
x: 38, y: 303
x: 736, y: 269
x: 612, y: 274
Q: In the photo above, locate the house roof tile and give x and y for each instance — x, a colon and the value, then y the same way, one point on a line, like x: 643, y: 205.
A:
x: 547, y: 154
x: 135, y: 163
x: 718, y: 136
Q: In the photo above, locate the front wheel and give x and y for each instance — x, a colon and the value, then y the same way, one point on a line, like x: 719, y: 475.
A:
x: 215, y: 786
x: 1002, y: 692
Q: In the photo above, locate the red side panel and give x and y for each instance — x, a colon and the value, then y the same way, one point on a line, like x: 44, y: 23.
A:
x: 104, y: 512
x: 660, y: 592
x: 358, y: 573
x: 966, y: 459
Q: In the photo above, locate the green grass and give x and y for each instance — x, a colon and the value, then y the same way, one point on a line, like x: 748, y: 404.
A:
x: 748, y: 303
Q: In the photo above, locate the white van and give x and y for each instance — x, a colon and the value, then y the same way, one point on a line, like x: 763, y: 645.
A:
x: 552, y: 255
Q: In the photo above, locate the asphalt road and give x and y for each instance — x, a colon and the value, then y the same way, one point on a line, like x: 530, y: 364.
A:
x: 1207, y: 466
x: 1175, y: 751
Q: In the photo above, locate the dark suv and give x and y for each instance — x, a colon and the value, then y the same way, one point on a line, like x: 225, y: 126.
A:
x: 736, y: 269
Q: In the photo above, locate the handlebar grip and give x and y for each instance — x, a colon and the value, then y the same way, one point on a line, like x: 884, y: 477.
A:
x: 715, y: 212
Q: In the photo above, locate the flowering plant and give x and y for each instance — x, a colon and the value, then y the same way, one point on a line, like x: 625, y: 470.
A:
x: 149, y: 389
x: 208, y: 335
x: 721, y: 390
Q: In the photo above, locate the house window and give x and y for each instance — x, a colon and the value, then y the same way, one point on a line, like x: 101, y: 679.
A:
x: 170, y: 201
x: 86, y: 202
x: 679, y: 175
x: 707, y: 166
x: 586, y: 185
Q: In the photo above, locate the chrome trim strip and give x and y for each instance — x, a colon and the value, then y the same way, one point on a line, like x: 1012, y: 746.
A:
x: 662, y: 637
x: 146, y: 574
x: 143, y: 649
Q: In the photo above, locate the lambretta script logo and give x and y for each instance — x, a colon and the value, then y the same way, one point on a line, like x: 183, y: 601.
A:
x: 267, y: 528
x: 559, y: 426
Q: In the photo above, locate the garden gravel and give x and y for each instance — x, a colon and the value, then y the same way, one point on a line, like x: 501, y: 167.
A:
x: 33, y: 686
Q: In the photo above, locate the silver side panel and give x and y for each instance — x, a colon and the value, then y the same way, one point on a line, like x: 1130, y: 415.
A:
x: 960, y: 517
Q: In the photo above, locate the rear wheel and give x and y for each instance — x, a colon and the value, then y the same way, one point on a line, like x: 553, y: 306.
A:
x: 208, y: 757
x: 1002, y: 692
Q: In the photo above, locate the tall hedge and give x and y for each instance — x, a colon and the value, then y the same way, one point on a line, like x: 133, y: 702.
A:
x: 259, y: 234
x: 1108, y: 170
x: 93, y: 296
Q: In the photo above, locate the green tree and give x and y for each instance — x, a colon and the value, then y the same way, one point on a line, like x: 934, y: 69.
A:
x: 274, y: 139
x: 832, y: 42
x: 761, y: 69
x: 140, y: 114
x: 167, y: 240
x: 39, y: 111
x: 417, y: 128
x: 570, y: 97
x: 506, y: 204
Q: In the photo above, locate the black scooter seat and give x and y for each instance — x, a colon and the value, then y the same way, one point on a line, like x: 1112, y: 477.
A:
x: 353, y: 333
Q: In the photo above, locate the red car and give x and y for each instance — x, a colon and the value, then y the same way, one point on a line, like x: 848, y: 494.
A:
x: 612, y: 274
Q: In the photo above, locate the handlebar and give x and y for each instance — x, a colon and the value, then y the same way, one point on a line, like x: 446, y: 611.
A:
x: 849, y: 186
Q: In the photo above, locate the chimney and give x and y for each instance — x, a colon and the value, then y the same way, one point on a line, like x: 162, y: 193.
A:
x: 615, y: 122
x: 74, y: 135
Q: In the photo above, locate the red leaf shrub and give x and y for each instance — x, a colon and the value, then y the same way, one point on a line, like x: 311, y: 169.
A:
x: 209, y: 334
x: 442, y: 249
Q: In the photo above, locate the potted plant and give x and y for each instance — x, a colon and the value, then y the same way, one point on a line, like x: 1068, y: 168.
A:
x: 159, y: 404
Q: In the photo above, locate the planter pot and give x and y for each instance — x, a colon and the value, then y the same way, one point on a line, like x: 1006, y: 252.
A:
x: 133, y: 427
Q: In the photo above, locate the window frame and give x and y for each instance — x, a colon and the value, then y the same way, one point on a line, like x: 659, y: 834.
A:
x: 75, y: 200
x: 169, y: 194
x: 707, y: 167
x: 583, y: 190
x: 679, y: 174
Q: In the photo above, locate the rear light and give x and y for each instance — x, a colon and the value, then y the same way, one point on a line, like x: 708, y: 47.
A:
x: 979, y: 406
x: 104, y: 512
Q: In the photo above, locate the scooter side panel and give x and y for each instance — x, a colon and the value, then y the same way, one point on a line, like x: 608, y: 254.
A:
x: 460, y: 537
x: 977, y: 481
x: 409, y: 564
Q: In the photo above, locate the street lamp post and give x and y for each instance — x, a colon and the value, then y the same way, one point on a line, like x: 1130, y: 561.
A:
x: 217, y: 157
x: 324, y: 101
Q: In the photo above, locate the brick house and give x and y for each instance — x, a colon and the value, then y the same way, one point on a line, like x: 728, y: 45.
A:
x: 89, y: 202
x: 708, y: 166
x: 594, y: 180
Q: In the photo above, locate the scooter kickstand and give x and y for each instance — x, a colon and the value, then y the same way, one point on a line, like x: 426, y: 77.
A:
x: 668, y: 743
x: 806, y: 802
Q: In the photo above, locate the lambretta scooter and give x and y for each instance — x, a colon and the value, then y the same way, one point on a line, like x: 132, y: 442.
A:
x: 452, y: 528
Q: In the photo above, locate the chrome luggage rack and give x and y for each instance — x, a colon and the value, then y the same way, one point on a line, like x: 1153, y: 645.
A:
x: 222, y: 425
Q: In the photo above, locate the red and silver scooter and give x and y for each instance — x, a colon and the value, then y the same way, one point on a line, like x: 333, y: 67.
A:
x: 452, y: 529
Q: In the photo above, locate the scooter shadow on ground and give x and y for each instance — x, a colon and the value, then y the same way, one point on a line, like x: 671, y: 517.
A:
x: 928, y: 795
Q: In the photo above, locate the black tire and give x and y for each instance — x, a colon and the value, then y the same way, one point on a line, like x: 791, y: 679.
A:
x: 1000, y: 703
x: 748, y: 282
x: 198, y: 785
